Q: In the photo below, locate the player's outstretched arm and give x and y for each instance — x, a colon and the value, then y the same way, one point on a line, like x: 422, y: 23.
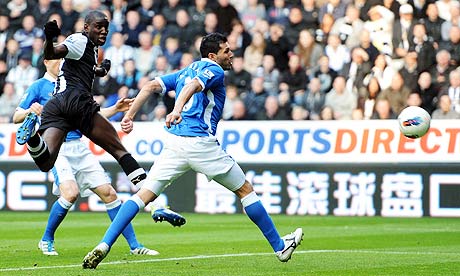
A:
x: 121, y: 105
x: 148, y: 89
x: 185, y: 94
x: 52, y: 30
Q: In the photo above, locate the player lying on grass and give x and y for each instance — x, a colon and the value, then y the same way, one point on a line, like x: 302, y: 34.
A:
x: 77, y: 171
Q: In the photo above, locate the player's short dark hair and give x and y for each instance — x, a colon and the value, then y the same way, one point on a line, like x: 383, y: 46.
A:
x: 93, y: 16
x: 211, y: 44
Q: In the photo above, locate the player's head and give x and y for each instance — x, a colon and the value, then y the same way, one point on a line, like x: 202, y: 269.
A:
x: 215, y: 47
x: 52, y: 66
x: 97, y: 27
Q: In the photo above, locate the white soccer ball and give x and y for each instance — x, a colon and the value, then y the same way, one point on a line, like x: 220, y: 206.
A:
x: 414, y: 122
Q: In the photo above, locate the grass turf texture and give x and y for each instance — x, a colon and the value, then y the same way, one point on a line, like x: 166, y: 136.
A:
x: 232, y: 245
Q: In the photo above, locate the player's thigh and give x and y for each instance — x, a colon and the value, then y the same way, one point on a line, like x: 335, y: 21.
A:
x: 169, y: 165
x: 233, y: 180
x: 206, y: 156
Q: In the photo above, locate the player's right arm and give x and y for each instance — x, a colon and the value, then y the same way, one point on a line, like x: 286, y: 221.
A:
x: 50, y: 51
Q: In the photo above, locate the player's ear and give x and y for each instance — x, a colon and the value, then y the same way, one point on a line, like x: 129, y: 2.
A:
x: 212, y: 56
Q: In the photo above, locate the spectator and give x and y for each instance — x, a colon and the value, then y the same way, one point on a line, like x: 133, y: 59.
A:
x: 414, y: 99
x: 324, y: 73
x: 42, y: 11
x: 357, y: 69
x: 23, y: 74
x: 278, y: 13
x: 118, y: 11
x: 226, y: 13
x: 132, y: 28
x: 146, y: 54
x: 210, y: 23
x: 118, y: 53
x: 365, y: 43
x: 254, y: 53
x: 186, y: 60
x: 308, y: 50
x: 433, y: 24
x: 238, y: 76
x: 428, y: 92
x: 298, y: 113
x: 444, y: 8
x: 423, y: 47
x: 255, y: 99
x: 349, y: 27
x: 130, y: 77
x: 410, y: 70
x: 294, y: 26
x: 453, y: 45
x: 357, y: 114
x: 232, y: 96
x: 158, y: 114
x: 327, y: 113
x: 278, y: 47
x: 383, y: 110
x: 238, y: 111
x: 11, y: 54
x: 342, y: 99
x: 325, y: 28
x: 294, y: 80
x: 453, y: 90
x: 25, y: 36
x: 146, y: 10
x: 383, y: 71
x: 251, y: 13
x: 159, y: 30
x: 68, y: 15
x: 403, y: 35
x: 380, y: 25
x: 198, y: 12
x: 9, y: 100
x: 37, y: 53
x: 16, y: 10
x: 172, y: 52
x: 338, y: 54
x: 367, y: 97
x: 396, y: 94
x: 270, y: 74
x: 314, y: 99
x: 184, y: 30
x: 445, y: 110
x: 454, y: 10
x: 104, y: 87
x: 310, y: 14
x: 195, y: 48
x: 440, y: 72
x: 272, y: 110
x: 122, y: 92
x: 5, y: 32
x: 336, y: 8
x: 170, y: 11
x: 3, y: 74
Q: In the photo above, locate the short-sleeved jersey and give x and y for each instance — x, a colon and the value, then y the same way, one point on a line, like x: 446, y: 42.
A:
x: 40, y: 91
x: 203, y: 111
x: 77, y: 69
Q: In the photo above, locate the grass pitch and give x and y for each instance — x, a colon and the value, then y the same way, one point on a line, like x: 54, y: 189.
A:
x: 232, y: 245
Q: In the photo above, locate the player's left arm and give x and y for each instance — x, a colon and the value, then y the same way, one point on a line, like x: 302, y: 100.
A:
x: 121, y: 105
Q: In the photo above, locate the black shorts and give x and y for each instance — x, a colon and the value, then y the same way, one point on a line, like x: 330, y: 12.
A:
x: 69, y: 110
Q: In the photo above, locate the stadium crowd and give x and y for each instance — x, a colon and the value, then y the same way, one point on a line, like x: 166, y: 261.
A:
x: 294, y: 59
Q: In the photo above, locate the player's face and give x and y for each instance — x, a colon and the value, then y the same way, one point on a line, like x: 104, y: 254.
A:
x: 225, y: 56
x: 98, y: 30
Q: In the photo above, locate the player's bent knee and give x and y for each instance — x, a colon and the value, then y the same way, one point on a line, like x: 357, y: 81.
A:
x: 233, y: 180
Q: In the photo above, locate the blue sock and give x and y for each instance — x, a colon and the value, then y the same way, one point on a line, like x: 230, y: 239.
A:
x: 124, y: 216
x: 57, y: 215
x: 257, y: 213
x: 128, y: 232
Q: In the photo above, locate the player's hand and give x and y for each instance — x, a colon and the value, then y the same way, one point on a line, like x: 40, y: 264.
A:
x: 123, y: 104
x: 51, y: 30
x: 106, y: 64
x: 127, y: 124
x: 36, y: 108
x: 173, y: 118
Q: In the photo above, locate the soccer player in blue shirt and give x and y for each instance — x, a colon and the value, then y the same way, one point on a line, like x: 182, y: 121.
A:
x: 191, y: 144
x: 76, y: 170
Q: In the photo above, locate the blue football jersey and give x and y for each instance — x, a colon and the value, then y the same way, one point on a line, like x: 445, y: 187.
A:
x: 40, y: 92
x: 203, y: 111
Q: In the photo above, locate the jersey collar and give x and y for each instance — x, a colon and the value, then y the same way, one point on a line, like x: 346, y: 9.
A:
x: 210, y: 60
x: 47, y: 76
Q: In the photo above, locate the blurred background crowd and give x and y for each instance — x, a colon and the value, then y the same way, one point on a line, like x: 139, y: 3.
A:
x: 294, y: 59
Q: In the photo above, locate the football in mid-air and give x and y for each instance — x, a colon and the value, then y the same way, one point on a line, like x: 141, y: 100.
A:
x: 414, y: 122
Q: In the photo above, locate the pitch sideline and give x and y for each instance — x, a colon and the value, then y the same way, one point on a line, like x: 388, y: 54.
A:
x: 233, y: 255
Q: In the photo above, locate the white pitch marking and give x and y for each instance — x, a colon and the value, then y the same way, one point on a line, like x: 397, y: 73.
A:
x: 236, y: 255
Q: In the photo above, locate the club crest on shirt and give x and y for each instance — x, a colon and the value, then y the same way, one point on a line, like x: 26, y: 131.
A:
x: 208, y: 74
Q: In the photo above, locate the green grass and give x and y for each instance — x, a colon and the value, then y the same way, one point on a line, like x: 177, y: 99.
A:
x: 232, y: 245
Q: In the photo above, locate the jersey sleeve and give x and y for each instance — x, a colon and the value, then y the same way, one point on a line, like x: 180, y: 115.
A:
x: 76, y: 44
x: 31, y: 95
x: 168, y: 82
x: 210, y: 76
